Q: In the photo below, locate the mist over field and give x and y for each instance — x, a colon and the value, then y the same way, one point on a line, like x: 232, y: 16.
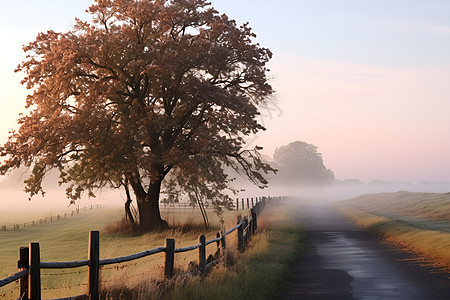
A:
x: 13, y: 199
x: 341, y: 190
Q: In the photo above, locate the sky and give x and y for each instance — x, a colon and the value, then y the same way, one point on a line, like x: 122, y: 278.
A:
x: 367, y: 82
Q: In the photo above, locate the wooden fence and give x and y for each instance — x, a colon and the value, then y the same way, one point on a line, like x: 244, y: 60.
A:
x: 30, y: 264
x: 251, y: 201
x: 242, y: 203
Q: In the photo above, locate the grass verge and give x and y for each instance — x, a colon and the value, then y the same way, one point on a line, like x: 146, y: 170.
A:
x: 258, y: 273
x: 414, y: 222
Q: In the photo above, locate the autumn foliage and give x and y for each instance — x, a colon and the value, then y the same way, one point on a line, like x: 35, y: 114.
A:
x: 139, y: 90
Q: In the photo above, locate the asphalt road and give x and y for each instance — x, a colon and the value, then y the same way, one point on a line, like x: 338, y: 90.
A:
x: 342, y: 261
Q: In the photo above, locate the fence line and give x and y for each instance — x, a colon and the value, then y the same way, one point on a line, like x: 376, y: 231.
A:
x: 250, y: 201
x: 240, y: 204
x: 50, y: 219
x: 30, y: 264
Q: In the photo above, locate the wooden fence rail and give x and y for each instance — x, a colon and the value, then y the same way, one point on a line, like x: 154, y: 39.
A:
x: 30, y: 264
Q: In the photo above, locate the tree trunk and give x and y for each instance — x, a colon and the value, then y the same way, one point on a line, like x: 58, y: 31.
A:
x: 128, y: 213
x: 149, y: 214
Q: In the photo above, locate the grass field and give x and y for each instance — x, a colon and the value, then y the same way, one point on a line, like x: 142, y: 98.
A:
x: 67, y: 240
x: 417, y: 222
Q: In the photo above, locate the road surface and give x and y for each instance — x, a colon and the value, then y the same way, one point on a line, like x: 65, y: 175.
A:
x: 342, y: 261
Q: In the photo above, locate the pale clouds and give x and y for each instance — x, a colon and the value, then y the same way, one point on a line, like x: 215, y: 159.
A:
x: 439, y: 29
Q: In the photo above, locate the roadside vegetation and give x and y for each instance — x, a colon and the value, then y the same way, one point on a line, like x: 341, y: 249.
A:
x: 258, y: 272
x: 416, y: 222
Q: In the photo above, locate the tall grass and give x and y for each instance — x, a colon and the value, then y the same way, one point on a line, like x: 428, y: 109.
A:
x: 258, y: 273
x: 415, y: 222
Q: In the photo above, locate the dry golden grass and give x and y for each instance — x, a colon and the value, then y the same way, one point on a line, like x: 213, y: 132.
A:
x: 258, y: 273
x: 186, y: 228
x: 431, y: 206
x: 416, y: 222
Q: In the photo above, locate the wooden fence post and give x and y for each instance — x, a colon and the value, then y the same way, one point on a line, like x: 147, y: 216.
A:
x: 223, y: 244
x: 218, y: 244
x: 240, y: 235
x: 223, y: 240
x: 247, y: 232
x: 34, y: 277
x: 170, y: 255
x: 252, y: 202
x: 94, y: 251
x: 237, y: 203
x: 202, y: 253
x: 23, y: 264
x: 248, y: 204
x: 249, y: 228
x: 242, y: 202
x: 255, y: 221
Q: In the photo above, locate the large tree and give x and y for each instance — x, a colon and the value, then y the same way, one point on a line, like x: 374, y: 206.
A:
x: 142, y: 88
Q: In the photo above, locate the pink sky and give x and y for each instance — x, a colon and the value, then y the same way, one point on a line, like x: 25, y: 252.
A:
x: 365, y: 81
x: 368, y: 122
